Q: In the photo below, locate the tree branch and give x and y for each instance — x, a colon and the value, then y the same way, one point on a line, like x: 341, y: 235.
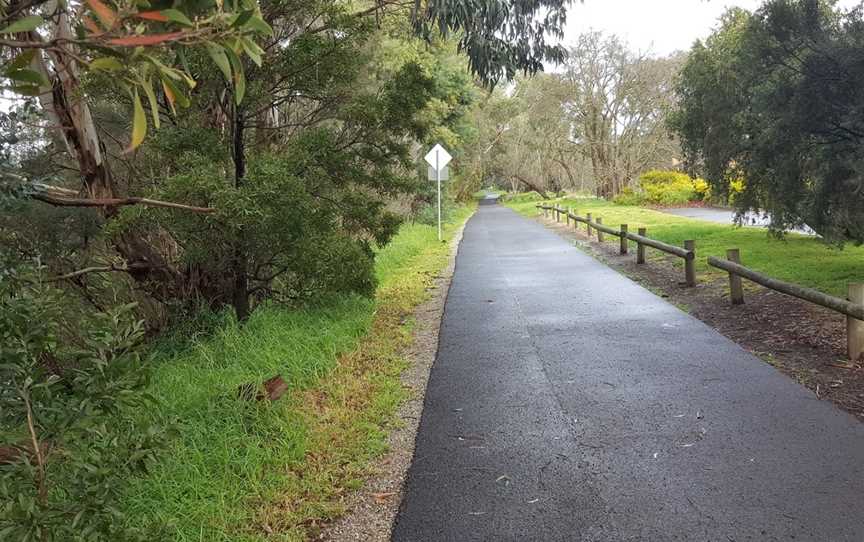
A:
x: 63, y: 197
x: 98, y: 269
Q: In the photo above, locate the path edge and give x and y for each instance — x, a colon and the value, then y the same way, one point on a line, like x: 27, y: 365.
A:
x: 372, y: 509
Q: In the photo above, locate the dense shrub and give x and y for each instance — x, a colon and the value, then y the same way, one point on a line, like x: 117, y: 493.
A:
x: 628, y: 196
x: 702, y: 188
x: 70, y: 424
x: 736, y: 187
x: 428, y: 214
x: 667, y: 187
x: 660, y: 187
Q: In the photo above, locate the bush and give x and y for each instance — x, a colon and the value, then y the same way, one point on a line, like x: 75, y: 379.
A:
x: 736, y: 186
x: 428, y: 214
x: 69, y: 415
x: 523, y: 197
x: 670, y: 188
x: 702, y: 188
x: 628, y: 196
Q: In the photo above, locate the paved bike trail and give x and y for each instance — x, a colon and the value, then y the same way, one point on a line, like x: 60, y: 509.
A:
x: 569, y: 403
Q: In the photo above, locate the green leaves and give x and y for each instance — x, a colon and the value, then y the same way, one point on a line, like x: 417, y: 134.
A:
x: 217, y: 53
x: 507, y: 37
x: 139, y: 123
x: 173, y: 81
x: 176, y: 16
x: 154, y: 104
x: 25, y: 80
x: 107, y: 64
x: 238, y: 78
x: 27, y: 76
x: 95, y: 420
x: 252, y: 49
x: 25, y: 24
x: 258, y: 25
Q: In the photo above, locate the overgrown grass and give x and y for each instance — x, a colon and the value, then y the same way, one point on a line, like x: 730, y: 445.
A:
x: 247, y: 471
x: 796, y: 258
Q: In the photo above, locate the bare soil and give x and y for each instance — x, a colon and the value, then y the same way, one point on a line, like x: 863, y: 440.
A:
x: 802, y: 340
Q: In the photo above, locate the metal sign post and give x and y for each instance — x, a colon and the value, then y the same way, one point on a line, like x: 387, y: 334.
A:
x: 438, y: 158
x: 438, y: 179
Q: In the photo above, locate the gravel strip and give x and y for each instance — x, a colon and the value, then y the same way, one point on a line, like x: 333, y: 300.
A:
x: 373, y: 508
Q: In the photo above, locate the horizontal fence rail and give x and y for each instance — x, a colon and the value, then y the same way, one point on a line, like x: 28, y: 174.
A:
x: 663, y: 247
x: 801, y: 292
x: 852, y: 308
x: 596, y: 227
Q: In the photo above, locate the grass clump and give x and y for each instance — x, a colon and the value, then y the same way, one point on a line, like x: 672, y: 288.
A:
x: 249, y: 471
x: 801, y: 259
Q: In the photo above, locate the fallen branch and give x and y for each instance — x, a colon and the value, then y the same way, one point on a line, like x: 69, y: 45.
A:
x: 531, y: 185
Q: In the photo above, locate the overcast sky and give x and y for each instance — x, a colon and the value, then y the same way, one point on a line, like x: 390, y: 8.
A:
x: 657, y: 26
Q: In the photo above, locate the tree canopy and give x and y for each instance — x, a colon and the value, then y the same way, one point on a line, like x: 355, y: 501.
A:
x: 773, y: 99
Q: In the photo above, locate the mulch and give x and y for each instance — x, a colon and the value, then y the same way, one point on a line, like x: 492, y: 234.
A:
x: 805, y: 341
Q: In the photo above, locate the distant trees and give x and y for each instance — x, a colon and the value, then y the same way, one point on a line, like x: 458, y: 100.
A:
x: 617, y: 103
x: 594, y: 126
x: 774, y: 99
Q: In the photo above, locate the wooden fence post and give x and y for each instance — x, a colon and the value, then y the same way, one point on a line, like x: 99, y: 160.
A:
x: 599, y: 233
x: 567, y: 215
x: 589, y: 224
x: 575, y: 222
x: 690, y: 263
x: 623, y: 249
x: 640, y: 248
x: 736, y: 290
x: 557, y: 212
x: 855, y: 327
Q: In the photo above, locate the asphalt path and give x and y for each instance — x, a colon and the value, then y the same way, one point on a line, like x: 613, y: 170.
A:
x: 569, y: 403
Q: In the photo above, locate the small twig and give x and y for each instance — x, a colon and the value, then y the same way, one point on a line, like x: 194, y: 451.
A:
x: 37, y: 451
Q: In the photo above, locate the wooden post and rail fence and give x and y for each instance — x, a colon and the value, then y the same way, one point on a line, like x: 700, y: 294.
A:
x: 595, y: 226
x: 852, y: 307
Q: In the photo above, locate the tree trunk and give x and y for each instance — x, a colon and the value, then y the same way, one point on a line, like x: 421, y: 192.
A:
x: 69, y: 111
x: 240, y: 294
x: 531, y: 185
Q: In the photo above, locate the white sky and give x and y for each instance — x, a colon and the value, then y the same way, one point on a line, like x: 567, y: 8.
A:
x: 656, y: 26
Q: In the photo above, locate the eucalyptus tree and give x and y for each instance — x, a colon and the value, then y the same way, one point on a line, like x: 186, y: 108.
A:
x: 500, y: 37
x: 271, y: 90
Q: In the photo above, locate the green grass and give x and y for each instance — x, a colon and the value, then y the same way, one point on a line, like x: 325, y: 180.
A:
x: 796, y: 258
x: 240, y: 470
x: 483, y: 192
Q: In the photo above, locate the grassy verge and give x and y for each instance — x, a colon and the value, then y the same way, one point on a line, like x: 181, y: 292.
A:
x: 796, y: 258
x: 247, y: 471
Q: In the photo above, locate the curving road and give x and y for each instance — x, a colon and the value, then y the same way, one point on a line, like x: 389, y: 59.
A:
x: 568, y: 403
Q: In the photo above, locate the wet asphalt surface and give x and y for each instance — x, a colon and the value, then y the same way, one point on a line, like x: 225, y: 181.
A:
x: 568, y: 403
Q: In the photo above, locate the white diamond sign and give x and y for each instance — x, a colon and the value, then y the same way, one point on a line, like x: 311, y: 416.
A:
x: 438, y: 157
